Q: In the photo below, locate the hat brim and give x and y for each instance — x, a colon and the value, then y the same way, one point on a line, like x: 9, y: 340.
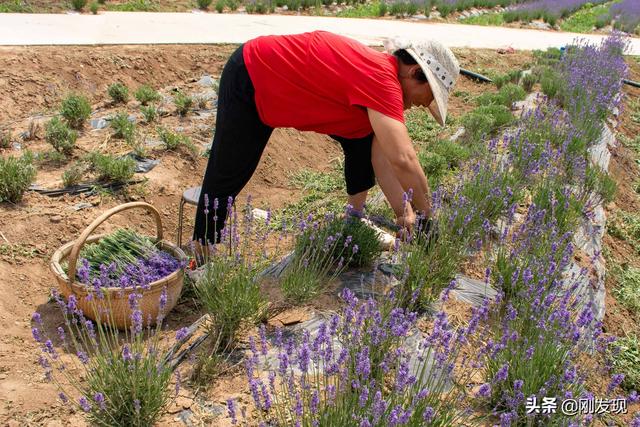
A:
x: 438, y: 107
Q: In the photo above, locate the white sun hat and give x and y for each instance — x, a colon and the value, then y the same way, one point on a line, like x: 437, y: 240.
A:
x: 439, y: 65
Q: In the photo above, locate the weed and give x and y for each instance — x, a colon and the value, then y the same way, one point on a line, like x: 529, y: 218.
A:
x: 627, y: 290
x: 507, y: 95
x: 528, y: 82
x: 119, y: 93
x: 491, y: 19
x: 183, y: 103
x: 433, y: 165
x: 202, y: 102
x: 112, y: 169
x: 485, y: 120
x: 586, y: 18
x: 60, y: 136
x: 16, y: 174
x: 73, y: 176
x: 76, y: 110
x: 145, y: 94
x: 365, y: 10
x: 149, y: 113
x: 33, y: 131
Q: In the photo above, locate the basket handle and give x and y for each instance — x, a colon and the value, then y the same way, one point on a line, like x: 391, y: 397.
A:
x: 75, y: 251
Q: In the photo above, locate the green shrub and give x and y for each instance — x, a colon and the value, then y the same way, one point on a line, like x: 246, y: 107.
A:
x: 528, y: 82
x: 60, y: 136
x: 134, y: 6
x: 122, y: 127
x: 382, y: 9
x: 76, y: 110
x: 119, y: 93
x: 421, y: 125
x: 111, y: 168
x: 434, y: 166
x: 173, y: 141
x: 485, y: 120
x: 551, y: 82
x: 232, y: 4
x: 202, y: 102
x: 94, y: 8
x: 149, y: 112
x: 624, y: 354
x: 219, y: 5
x: 507, y: 95
x: 204, y: 4
x: 183, y: 103
x: 601, y: 183
x: 16, y: 174
x: 146, y: 94
x: 78, y: 4
x: 398, y: 8
x: 73, y: 175
x: 15, y: 6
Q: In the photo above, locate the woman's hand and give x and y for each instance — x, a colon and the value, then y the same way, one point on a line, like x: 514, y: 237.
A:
x: 406, y: 223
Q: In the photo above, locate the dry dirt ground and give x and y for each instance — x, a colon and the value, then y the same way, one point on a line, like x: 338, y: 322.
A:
x: 37, y: 79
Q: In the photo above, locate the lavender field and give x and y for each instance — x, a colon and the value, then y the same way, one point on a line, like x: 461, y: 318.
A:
x: 406, y: 337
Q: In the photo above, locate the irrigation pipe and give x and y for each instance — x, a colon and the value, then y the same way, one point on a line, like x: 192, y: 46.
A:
x: 631, y: 83
x: 475, y: 76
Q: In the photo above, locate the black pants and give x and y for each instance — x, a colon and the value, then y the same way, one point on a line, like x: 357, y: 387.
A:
x: 239, y: 140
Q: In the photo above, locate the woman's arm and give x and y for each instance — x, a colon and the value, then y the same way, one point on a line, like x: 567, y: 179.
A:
x: 392, y: 143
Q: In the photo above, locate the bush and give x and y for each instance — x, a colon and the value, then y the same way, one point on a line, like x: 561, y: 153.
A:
x: 78, y: 4
x: 119, y: 93
x: 485, y: 120
x: 149, y: 112
x: 528, y: 82
x: 16, y: 174
x: 146, y: 94
x: 122, y: 127
x: 111, y: 168
x: 94, y: 8
x: 322, y: 251
x: 551, y: 82
x: 233, y: 5
x: 382, y: 9
x: 219, y: 5
x: 434, y: 166
x: 73, y: 175
x: 183, y: 103
x: 60, y: 136
x: 119, y: 379
x: 75, y: 109
x: 507, y: 95
x: 173, y: 141
x: 204, y: 4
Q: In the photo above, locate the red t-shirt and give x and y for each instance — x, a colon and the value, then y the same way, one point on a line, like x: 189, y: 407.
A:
x: 322, y: 82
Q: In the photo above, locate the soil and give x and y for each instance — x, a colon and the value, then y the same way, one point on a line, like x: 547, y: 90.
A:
x: 38, y: 77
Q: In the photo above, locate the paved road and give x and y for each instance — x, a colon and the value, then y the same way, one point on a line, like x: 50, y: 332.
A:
x: 177, y: 28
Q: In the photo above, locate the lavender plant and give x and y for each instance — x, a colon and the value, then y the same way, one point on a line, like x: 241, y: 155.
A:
x: 321, y: 254
x: 114, y: 380
x: 356, y: 371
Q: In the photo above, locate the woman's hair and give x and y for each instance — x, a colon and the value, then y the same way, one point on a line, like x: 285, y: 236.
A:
x: 407, y: 59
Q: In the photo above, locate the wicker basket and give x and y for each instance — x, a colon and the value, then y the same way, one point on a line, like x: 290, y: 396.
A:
x: 117, y: 299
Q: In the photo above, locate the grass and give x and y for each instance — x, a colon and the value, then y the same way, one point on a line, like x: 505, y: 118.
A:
x: 366, y: 10
x: 15, y: 6
x: 133, y: 6
x: 490, y: 19
x: 174, y: 141
x: 627, y: 290
x: 625, y: 357
x: 584, y: 20
x: 625, y: 226
x: 421, y: 125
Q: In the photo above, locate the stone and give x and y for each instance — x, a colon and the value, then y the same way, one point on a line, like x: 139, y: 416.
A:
x: 55, y: 219
x: 457, y: 135
x: 260, y: 214
x: 99, y: 123
x: 540, y: 25
x: 206, y: 80
x: 80, y: 206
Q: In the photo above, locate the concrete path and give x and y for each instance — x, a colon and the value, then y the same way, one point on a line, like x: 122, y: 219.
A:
x: 188, y: 28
